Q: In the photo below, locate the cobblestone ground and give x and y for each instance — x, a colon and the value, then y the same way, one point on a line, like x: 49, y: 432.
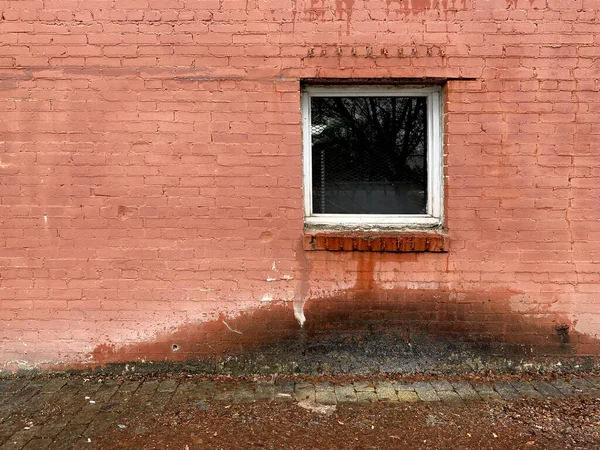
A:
x: 70, y: 411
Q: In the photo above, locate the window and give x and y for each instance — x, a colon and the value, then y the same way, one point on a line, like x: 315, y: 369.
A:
x: 372, y: 156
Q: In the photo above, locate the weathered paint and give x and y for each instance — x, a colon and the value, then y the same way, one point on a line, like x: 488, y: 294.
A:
x: 151, y: 175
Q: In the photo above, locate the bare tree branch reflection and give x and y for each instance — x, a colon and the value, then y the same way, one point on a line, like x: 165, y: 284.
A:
x: 369, y: 143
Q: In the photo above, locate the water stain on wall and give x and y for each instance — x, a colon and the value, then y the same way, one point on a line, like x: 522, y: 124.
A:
x: 323, y: 10
x: 483, y: 320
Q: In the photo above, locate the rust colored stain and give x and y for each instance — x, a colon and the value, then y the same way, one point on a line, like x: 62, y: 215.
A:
x: 479, y: 318
x: 247, y: 331
x: 379, y: 242
x: 316, y: 10
x: 406, y: 7
x: 476, y: 317
x: 345, y: 6
x: 515, y: 3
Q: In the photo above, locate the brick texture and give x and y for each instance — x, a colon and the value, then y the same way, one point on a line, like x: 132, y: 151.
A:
x: 151, y: 163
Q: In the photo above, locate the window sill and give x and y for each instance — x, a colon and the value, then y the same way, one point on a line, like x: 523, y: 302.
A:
x: 373, y: 241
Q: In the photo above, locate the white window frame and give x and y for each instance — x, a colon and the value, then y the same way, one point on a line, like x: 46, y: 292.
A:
x: 435, y: 202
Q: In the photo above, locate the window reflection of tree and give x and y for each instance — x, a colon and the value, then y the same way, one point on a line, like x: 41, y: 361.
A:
x: 371, y: 139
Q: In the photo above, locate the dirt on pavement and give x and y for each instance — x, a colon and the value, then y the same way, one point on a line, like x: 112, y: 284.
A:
x: 565, y: 423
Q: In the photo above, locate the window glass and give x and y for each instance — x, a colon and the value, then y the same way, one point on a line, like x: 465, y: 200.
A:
x: 369, y: 154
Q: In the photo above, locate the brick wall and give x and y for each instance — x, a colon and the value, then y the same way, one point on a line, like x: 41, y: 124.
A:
x: 151, y: 175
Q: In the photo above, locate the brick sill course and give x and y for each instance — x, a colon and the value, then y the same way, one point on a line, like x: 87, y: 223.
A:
x: 372, y: 241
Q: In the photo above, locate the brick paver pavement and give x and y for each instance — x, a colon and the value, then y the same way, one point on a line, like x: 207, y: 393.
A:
x: 69, y: 411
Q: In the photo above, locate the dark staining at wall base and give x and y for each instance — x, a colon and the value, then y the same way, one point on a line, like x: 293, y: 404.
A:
x: 366, y: 329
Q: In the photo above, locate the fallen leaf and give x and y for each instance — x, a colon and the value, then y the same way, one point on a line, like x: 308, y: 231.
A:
x: 529, y: 442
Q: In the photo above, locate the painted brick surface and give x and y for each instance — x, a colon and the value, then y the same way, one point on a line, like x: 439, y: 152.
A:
x: 151, y: 175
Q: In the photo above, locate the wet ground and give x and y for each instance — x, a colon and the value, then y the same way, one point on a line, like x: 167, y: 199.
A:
x: 195, y: 412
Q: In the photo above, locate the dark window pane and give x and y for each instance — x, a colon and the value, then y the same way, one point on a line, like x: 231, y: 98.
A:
x: 369, y: 155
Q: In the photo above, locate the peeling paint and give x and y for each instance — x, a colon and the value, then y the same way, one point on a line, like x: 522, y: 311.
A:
x: 231, y: 329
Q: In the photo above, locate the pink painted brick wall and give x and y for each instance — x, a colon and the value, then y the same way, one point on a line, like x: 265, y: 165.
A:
x: 151, y: 168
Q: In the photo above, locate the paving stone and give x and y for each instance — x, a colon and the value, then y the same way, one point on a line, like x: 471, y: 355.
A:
x: 426, y: 392
x: 564, y: 387
x: 145, y: 397
x: 265, y: 390
x: 52, y: 429
x: 506, y: 391
x: 385, y: 391
x: 148, y: 386
x: 89, y: 389
x: 449, y: 397
x: 101, y: 423
x: 525, y: 389
x: 10, y: 387
x: 366, y: 397
x: 123, y: 396
x: 441, y: 385
x: 83, y: 443
x: 487, y: 393
x: 194, y: 391
x: 546, y: 389
x: 6, y: 430
x: 38, y: 444
x: 68, y: 436
x: 90, y: 410
x: 18, y: 399
x: 17, y: 441
x: 154, y: 406
x: 168, y: 386
x: 159, y: 400
x: 284, y: 392
x: 466, y: 391
x: 224, y: 394
x: 69, y: 400
x: 87, y: 414
x: 364, y: 386
x: 116, y: 401
x: 325, y: 394
x: 408, y: 396
x: 244, y: 393
x: 401, y: 386
x: 30, y: 410
x: 584, y: 386
x: 53, y: 386
x: 304, y: 391
x: 106, y: 391
x: 595, y: 381
x: 345, y: 393
x: 130, y: 386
